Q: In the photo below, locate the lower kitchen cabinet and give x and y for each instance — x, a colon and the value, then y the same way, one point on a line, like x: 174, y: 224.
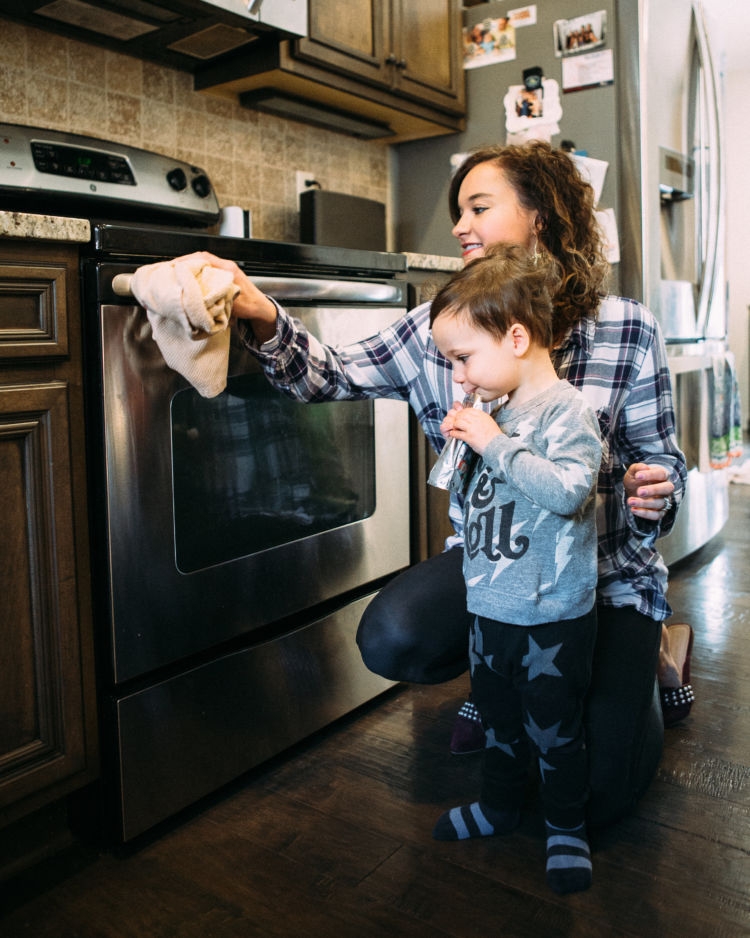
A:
x: 48, y: 725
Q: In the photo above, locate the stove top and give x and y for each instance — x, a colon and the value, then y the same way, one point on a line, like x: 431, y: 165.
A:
x: 144, y: 243
x: 62, y: 173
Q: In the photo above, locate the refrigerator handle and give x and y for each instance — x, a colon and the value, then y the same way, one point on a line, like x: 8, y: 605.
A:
x: 708, y: 155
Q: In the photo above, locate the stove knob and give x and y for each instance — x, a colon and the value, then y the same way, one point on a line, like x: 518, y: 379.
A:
x: 201, y: 186
x: 177, y: 179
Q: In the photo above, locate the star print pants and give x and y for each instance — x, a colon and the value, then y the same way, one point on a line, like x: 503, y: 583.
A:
x: 529, y: 684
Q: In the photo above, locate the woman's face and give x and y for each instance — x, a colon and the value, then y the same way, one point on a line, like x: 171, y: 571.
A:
x: 491, y: 213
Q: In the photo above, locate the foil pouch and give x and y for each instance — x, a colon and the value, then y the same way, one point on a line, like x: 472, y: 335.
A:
x: 456, y: 459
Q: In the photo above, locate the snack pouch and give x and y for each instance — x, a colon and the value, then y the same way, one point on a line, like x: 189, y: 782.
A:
x: 456, y: 459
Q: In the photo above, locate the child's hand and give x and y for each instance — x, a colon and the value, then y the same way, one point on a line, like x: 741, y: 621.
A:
x: 475, y: 427
x: 447, y: 425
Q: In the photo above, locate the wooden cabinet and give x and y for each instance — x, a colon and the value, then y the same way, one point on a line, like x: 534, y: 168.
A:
x: 393, y: 62
x: 410, y: 49
x: 47, y: 696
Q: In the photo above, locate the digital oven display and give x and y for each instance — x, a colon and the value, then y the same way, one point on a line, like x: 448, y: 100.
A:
x: 60, y: 160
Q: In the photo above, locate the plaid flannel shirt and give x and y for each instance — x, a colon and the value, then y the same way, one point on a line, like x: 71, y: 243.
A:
x: 618, y: 361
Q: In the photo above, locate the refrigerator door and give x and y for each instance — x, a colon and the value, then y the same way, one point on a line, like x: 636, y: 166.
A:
x: 680, y: 272
x: 705, y: 135
x: 677, y: 113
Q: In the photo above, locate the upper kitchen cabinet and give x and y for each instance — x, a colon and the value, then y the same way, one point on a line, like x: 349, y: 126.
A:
x: 411, y: 49
x: 371, y: 68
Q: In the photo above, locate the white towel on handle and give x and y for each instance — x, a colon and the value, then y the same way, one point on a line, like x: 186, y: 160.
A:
x: 189, y: 304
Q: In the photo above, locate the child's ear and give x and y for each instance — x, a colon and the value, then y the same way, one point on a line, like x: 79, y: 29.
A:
x: 521, y: 338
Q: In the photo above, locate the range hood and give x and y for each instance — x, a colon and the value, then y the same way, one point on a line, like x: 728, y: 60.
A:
x: 183, y: 34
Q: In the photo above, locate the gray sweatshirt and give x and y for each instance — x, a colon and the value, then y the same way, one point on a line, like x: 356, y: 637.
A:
x: 530, y: 525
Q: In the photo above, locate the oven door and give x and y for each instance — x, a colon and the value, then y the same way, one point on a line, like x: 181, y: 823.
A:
x: 244, y: 513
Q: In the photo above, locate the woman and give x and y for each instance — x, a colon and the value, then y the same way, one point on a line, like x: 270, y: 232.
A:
x: 416, y: 629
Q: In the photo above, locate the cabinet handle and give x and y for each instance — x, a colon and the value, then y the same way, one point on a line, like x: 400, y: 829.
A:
x: 401, y: 63
x: 391, y: 60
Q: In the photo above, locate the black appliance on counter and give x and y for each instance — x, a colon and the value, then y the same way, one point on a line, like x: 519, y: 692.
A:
x: 236, y: 540
x: 341, y: 220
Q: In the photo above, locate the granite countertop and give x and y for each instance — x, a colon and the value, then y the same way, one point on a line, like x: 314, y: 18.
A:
x: 57, y: 228
x: 432, y: 262
x: 44, y: 227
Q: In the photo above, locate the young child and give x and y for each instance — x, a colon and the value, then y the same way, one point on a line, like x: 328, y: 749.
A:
x: 530, y: 559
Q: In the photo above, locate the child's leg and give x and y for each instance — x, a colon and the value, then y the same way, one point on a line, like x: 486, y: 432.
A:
x: 506, y: 754
x: 553, y: 706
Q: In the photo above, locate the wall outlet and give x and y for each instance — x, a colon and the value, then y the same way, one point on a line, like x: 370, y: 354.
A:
x: 303, y: 177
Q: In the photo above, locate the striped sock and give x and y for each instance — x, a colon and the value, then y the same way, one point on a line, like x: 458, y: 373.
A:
x: 568, y: 859
x: 474, y: 820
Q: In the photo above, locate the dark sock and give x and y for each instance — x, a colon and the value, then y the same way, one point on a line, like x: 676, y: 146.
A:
x: 474, y: 820
x: 568, y: 859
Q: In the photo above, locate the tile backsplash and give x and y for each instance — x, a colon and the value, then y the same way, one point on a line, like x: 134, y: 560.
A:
x: 251, y: 158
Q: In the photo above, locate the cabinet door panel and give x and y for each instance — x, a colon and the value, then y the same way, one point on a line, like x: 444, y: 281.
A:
x: 33, y: 311
x: 350, y: 27
x: 41, y: 736
x: 427, y: 47
x: 348, y: 38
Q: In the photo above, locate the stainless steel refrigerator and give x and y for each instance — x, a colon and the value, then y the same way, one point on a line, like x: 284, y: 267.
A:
x: 639, y: 92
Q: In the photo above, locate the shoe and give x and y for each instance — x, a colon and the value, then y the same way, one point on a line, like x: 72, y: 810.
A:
x: 468, y: 732
x: 677, y: 701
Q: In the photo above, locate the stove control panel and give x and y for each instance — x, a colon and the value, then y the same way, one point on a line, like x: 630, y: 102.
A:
x: 82, y: 163
x: 73, y: 174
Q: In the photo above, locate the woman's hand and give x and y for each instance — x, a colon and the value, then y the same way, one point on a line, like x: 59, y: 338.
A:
x: 249, y: 303
x: 648, y: 490
x: 473, y: 426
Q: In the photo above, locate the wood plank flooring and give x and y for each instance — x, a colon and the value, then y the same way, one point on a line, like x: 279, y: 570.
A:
x: 334, y: 838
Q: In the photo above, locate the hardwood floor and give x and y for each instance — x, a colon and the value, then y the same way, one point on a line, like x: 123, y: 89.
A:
x: 334, y: 839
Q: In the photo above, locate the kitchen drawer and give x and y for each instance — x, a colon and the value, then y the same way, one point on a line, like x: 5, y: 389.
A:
x: 33, y: 310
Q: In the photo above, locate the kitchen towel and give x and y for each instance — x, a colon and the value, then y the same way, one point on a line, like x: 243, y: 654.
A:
x: 724, y: 414
x: 189, y: 304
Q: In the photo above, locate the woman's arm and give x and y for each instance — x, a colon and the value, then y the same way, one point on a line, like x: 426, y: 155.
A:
x: 656, y: 474
x: 387, y: 364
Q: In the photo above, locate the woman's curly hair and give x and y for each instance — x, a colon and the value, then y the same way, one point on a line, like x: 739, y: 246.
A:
x: 547, y: 181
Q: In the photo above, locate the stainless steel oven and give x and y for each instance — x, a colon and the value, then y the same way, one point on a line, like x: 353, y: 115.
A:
x: 237, y: 539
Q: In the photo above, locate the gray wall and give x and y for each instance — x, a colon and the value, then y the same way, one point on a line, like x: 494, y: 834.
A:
x: 422, y: 169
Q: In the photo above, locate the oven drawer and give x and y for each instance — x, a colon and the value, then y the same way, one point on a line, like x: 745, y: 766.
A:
x: 187, y: 736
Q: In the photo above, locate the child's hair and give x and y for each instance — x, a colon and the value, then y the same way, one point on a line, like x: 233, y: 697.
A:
x: 504, y: 286
x: 547, y: 181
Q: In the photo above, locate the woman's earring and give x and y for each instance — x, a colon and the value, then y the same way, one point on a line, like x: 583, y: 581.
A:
x: 536, y: 256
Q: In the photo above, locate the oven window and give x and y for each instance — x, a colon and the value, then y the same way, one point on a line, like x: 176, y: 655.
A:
x: 252, y: 470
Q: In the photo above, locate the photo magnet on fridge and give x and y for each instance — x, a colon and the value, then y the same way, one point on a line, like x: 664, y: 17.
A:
x: 532, y: 110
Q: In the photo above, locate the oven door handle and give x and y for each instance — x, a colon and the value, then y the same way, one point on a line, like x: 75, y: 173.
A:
x: 311, y: 289
x: 307, y: 288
